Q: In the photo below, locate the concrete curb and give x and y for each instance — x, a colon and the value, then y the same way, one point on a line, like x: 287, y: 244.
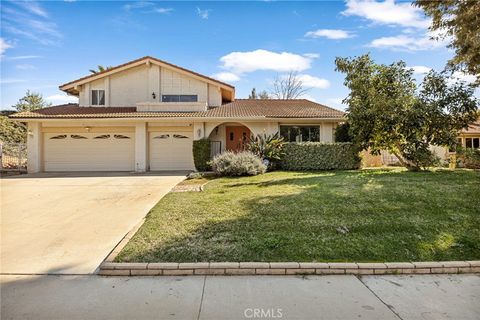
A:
x: 108, y: 268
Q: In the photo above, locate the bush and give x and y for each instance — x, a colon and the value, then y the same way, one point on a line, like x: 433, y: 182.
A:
x: 470, y: 158
x: 267, y: 147
x: 238, y: 164
x: 201, y: 154
x: 320, y: 156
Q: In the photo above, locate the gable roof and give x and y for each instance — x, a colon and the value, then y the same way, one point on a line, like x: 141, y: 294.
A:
x: 69, y: 86
x: 239, y: 109
x: 474, y: 128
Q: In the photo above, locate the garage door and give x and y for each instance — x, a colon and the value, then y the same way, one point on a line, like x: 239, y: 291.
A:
x: 89, y: 151
x: 171, y: 150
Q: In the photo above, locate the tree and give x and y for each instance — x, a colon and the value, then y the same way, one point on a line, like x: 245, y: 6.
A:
x: 386, y: 110
x: 457, y: 19
x: 261, y: 95
x: 342, y: 133
x: 253, y: 95
x: 12, y: 132
x: 100, y: 68
x: 288, y: 87
x: 31, y: 101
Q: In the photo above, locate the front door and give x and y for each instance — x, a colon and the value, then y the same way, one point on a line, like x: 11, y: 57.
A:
x: 237, y: 137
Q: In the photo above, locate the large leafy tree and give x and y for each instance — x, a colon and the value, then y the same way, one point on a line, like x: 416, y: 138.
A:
x: 386, y: 110
x: 460, y: 20
x: 31, y: 101
x: 12, y: 132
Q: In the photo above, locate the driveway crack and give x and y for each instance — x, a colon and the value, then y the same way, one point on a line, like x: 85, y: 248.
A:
x: 386, y: 304
x: 201, y: 299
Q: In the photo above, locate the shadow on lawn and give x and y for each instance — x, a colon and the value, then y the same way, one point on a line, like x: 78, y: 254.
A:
x: 363, y: 216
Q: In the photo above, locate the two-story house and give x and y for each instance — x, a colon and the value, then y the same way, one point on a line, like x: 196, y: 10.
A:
x: 143, y: 115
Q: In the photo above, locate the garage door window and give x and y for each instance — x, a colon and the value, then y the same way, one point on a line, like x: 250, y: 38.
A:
x: 77, y: 136
x: 162, y: 136
x: 103, y: 136
x: 179, y: 136
x: 120, y: 136
x: 59, y: 137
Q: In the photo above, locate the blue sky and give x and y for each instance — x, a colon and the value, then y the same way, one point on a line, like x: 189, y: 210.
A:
x: 248, y: 44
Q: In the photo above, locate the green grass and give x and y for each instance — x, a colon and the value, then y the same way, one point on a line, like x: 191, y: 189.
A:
x: 390, y: 215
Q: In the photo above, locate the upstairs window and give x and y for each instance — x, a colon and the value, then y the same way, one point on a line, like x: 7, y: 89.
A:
x: 300, y: 133
x: 98, y: 97
x: 179, y: 98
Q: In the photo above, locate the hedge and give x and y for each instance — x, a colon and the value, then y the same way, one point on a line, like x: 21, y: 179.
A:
x: 320, y: 156
x: 201, y: 154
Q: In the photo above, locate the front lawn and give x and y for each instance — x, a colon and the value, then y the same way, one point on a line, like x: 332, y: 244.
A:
x: 368, y: 215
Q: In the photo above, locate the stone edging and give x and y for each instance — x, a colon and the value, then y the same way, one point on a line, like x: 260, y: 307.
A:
x: 285, y: 268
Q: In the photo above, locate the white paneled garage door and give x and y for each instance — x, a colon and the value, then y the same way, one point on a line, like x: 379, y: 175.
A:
x: 89, y: 151
x: 171, y: 150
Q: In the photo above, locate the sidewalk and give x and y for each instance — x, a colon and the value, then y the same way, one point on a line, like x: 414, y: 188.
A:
x: 243, y: 297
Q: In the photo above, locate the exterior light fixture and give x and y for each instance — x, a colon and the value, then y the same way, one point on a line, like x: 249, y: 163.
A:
x: 87, y: 129
x: 154, y: 96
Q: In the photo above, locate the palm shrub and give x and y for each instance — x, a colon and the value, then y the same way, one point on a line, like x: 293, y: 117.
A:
x: 243, y: 163
x: 267, y: 147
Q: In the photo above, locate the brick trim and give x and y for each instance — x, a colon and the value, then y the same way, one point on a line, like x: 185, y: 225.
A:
x: 285, y: 268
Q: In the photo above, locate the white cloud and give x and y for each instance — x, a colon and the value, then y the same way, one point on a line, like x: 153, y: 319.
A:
x: 336, y: 103
x: 250, y: 61
x: 23, y: 57
x: 4, y: 45
x: 137, y: 5
x: 33, y: 7
x: 25, y: 66
x: 163, y: 10
x: 312, y: 55
x: 387, y: 12
x: 458, y: 75
x: 407, y: 43
x: 420, y: 69
x: 308, y: 97
x: 329, y: 34
x: 61, y: 98
x: 313, y: 82
x: 11, y: 81
x: 30, y: 23
x: 203, y: 13
x: 226, y: 76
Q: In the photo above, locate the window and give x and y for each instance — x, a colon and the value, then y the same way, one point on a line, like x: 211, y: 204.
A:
x: 300, y: 133
x: 120, y: 136
x: 98, y: 97
x: 163, y: 136
x: 59, y: 137
x: 77, y: 136
x: 472, y: 143
x: 103, y: 136
x: 180, y: 136
x: 179, y: 98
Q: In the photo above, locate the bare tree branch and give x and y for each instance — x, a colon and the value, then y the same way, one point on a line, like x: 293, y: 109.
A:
x: 288, y: 87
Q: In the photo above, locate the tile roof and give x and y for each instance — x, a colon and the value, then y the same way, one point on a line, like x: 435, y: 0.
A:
x: 271, y: 108
x: 473, y: 128
x: 242, y: 108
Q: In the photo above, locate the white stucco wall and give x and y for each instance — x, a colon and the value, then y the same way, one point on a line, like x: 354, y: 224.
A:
x: 137, y: 84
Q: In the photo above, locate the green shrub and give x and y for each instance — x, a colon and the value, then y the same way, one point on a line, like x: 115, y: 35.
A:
x: 201, y: 154
x: 470, y: 158
x: 320, y: 156
x: 238, y: 164
x: 267, y: 147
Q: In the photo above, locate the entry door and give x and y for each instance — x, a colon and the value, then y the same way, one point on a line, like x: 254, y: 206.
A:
x: 237, y: 137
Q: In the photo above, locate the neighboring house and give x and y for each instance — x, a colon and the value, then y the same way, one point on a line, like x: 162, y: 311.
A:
x: 143, y: 115
x: 470, y: 138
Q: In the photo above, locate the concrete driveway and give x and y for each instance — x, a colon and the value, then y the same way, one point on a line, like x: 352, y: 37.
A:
x: 68, y: 223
